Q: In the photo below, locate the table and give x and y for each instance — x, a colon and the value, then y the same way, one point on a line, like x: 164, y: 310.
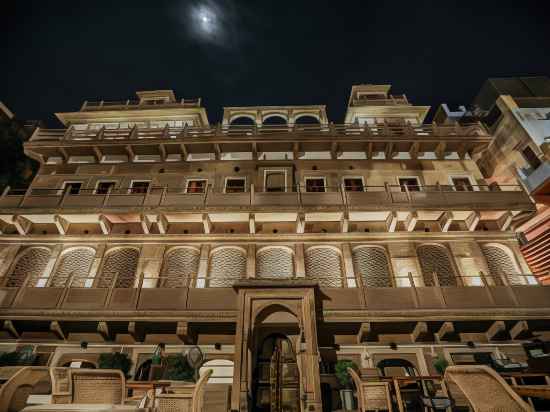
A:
x: 147, y: 386
x: 535, y: 391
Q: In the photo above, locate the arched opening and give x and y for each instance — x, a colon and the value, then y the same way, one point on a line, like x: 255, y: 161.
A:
x: 79, y: 364
x: 180, y: 266
x: 30, y: 265
x: 275, y: 378
x: 222, y: 371
x: 243, y: 121
x: 306, y: 119
x: 324, y: 264
x: 227, y: 264
x: 372, y: 264
x: 275, y: 262
x: 501, y: 264
x: 120, y: 264
x: 74, y: 264
x: 274, y: 119
x: 435, y: 259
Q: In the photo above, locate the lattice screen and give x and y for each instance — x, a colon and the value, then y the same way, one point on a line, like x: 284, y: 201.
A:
x: 122, y: 261
x: 179, y: 267
x: 432, y: 259
x: 324, y: 264
x: 372, y: 264
x: 31, y: 263
x: 75, y: 263
x: 500, y: 263
x: 274, y: 262
x: 226, y: 265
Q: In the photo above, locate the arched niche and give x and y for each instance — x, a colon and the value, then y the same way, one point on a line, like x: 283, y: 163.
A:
x: 120, y: 263
x: 305, y: 119
x: 275, y: 262
x: 324, y: 264
x: 274, y: 119
x: 434, y: 258
x: 29, y: 266
x: 242, y: 120
x: 227, y: 264
x: 75, y: 264
x: 372, y: 264
x: 502, y: 263
x: 179, y: 266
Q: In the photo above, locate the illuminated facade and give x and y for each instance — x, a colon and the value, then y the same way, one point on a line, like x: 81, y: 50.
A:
x: 275, y: 231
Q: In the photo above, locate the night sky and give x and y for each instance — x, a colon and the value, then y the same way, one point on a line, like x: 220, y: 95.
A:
x: 56, y: 54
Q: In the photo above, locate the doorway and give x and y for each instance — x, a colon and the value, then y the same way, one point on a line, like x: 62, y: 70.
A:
x: 276, y: 377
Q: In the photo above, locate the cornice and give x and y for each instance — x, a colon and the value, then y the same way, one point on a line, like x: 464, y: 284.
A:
x: 386, y: 237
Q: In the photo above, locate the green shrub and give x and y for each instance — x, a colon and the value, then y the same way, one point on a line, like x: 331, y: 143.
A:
x: 177, y: 369
x: 341, y: 370
x: 17, y: 358
x: 115, y: 360
x: 440, y: 364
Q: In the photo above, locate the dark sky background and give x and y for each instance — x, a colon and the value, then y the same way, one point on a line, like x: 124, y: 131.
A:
x: 56, y: 54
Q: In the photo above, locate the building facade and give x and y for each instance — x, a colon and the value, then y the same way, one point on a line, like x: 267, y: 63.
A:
x: 275, y: 241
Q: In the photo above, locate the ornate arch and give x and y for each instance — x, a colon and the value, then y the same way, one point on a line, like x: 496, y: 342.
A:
x: 29, y: 264
x: 372, y: 263
x: 237, y: 116
x: 120, y: 263
x: 435, y: 258
x: 311, y: 115
x: 227, y: 264
x: 502, y: 263
x: 74, y: 262
x: 275, y: 262
x: 271, y: 115
x: 180, y: 265
x: 324, y: 263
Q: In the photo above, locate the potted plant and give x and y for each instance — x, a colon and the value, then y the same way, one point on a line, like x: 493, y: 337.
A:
x: 115, y: 360
x: 178, y: 369
x: 440, y: 364
x: 344, y: 378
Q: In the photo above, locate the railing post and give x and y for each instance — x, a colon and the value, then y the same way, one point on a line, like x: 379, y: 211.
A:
x: 252, y: 194
x: 163, y: 195
x: 414, y: 291
x: 207, y: 190
x: 111, y: 287
x: 6, y: 191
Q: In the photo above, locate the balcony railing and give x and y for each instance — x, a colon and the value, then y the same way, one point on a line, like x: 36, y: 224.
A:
x: 390, y: 197
x: 217, y: 293
x: 137, y: 104
x: 391, y: 100
x: 222, y: 131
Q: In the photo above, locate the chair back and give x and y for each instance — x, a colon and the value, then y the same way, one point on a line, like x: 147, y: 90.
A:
x: 198, y: 393
x: 106, y: 386
x: 15, y: 391
x: 485, y: 389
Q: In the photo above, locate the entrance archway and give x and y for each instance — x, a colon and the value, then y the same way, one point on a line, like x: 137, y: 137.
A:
x: 276, y: 377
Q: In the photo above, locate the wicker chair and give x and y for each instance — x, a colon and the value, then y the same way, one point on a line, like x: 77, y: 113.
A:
x: 88, y: 386
x: 371, y: 395
x: 184, y: 398
x: 485, y: 390
x: 25, y: 381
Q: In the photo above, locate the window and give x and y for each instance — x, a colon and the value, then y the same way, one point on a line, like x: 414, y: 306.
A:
x: 235, y: 185
x: 139, y: 186
x: 196, y: 186
x: 315, y: 184
x: 104, y: 188
x: 354, y: 184
x: 410, y: 183
x: 275, y: 181
x: 462, y: 184
x: 531, y: 157
x: 72, y: 188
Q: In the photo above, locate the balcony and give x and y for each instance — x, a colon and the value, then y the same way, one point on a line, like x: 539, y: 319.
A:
x: 371, y: 198
x: 390, y: 100
x: 537, y: 181
x: 102, y: 105
x: 217, y: 294
x: 296, y: 139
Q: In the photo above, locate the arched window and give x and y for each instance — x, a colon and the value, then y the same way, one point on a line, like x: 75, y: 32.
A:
x: 306, y: 119
x: 274, y: 119
x: 324, y: 264
x: 501, y: 264
x: 435, y: 259
x: 30, y: 265
x: 372, y: 264
x: 275, y: 262
x: 227, y: 264
x: 73, y: 263
x: 243, y: 121
x: 122, y: 264
x: 180, y: 266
